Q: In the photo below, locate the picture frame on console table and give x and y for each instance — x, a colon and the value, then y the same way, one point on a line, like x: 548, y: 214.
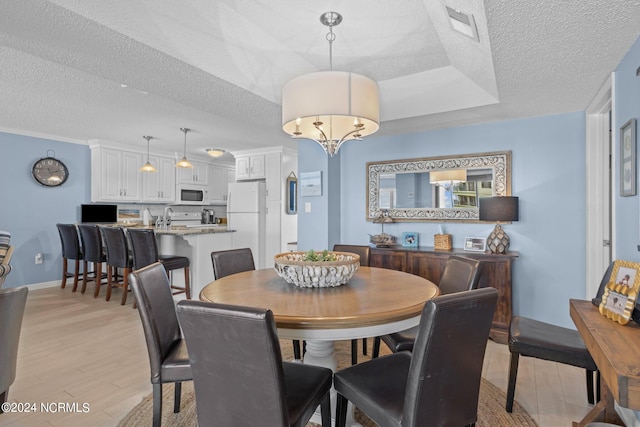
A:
x: 620, y: 294
x: 410, y: 239
x: 628, y: 178
x: 477, y: 244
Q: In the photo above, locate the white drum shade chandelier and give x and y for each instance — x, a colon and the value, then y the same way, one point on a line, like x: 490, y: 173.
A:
x: 330, y: 107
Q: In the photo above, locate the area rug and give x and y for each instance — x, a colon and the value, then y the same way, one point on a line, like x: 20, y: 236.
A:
x: 491, y: 412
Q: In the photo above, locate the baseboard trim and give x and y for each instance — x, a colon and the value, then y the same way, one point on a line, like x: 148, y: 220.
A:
x: 44, y: 285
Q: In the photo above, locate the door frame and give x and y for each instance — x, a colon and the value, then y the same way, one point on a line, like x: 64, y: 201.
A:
x: 600, y: 205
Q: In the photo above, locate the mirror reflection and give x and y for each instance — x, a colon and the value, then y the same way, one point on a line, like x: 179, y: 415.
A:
x: 437, y: 188
x: 428, y: 190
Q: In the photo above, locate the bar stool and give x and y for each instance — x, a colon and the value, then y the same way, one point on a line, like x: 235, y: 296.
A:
x: 70, y: 250
x: 145, y: 252
x: 117, y: 257
x: 93, y: 252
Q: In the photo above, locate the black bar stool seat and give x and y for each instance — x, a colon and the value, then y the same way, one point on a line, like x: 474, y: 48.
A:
x: 145, y: 252
x: 171, y: 262
x: 117, y: 258
x: 94, y: 252
x: 71, y: 250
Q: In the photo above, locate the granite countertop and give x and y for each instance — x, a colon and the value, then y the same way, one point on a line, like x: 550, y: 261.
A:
x: 180, y: 230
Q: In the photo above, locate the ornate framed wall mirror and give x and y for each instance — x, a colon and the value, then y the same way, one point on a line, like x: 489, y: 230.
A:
x: 292, y: 194
x: 445, y: 188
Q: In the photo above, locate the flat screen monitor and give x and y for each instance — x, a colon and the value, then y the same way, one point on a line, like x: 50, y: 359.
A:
x: 99, y: 213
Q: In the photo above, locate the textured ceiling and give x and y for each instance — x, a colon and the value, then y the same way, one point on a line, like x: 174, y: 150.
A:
x: 218, y: 67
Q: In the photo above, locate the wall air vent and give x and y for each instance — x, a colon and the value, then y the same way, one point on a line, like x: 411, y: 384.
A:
x: 463, y: 23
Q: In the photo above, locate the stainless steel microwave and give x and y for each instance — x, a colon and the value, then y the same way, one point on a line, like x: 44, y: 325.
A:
x: 191, y: 195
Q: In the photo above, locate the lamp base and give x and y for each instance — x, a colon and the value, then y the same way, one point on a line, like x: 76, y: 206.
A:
x: 498, y: 241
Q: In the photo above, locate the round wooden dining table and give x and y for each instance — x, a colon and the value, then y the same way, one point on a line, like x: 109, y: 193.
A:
x: 375, y: 301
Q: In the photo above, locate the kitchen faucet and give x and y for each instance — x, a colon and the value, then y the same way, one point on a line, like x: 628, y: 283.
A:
x: 166, y: 219
x: 167, y: 211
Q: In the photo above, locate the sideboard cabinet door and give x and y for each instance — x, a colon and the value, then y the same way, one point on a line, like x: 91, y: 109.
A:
x: 429, y: 263
x: 430, y: 266
x: 393, y: 260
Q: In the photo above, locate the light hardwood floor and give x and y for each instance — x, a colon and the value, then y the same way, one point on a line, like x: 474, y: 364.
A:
x: 78, y: 349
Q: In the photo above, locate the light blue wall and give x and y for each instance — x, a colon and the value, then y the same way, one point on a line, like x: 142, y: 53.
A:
x: 30, y: 211
x: 627, y: 106
x: 548, y: 175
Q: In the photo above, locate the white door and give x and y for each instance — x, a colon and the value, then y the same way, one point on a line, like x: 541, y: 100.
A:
x: 600, y: 249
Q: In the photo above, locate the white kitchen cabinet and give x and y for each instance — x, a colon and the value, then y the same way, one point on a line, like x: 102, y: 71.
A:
x: 160, y: 186
x: 197, y: 175
x: 250, y: 167
x: 115, y: 175
x: 219, y: 178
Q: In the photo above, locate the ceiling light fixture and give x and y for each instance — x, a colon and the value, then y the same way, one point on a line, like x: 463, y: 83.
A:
x: 184, y: 163
x: 215, y: 152
x: 330, y: 107
x: 447, y: 177
x: 148, y: 167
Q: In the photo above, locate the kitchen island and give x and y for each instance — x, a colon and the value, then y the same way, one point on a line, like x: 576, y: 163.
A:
x: 196, y: 243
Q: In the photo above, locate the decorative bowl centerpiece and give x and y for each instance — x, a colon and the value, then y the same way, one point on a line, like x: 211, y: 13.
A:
x: 316, y: 269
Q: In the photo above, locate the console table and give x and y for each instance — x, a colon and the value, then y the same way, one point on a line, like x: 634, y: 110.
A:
x: 429, y: 263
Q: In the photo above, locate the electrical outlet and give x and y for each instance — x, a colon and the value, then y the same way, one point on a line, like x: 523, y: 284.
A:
x: 39, y: 258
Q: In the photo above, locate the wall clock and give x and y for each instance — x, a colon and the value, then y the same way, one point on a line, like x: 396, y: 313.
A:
x: 50, y: 171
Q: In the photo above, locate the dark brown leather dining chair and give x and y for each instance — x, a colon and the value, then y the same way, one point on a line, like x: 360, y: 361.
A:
x: 12, y: 303
x: 235, y: 261
x: 238, y: 372
x: 71, y: 250
x: 364, y: 252
x: 231, y: 262
x: 439, y: 382
x: 144, y: 248
x: 460, y: 274
x: 168, y: 357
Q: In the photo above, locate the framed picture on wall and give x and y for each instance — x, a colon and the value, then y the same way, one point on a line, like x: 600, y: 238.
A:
x: 311, y: 184
x: 628, y: 159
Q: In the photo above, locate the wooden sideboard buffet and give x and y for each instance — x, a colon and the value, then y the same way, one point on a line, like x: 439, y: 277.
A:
x: 429, y: 263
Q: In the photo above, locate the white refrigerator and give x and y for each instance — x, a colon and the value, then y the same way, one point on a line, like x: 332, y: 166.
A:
x: 246, y: 214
